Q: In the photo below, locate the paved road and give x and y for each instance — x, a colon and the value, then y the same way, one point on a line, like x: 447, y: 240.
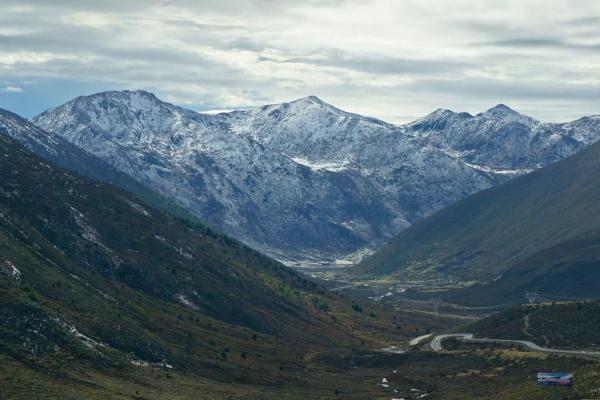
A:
x: 419, y: 339
x: 436, y: 344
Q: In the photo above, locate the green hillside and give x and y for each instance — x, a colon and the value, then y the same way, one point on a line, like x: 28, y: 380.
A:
x: 104, y: 297
x: 569, y: 270
x: 540, y: 231
x: 559, y: 325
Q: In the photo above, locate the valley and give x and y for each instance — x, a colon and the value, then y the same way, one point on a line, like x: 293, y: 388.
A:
x: 317, y: 200
x: 304, y: 181
x: 206, y: 312
x: 171, y: 340
x: 366, y: 331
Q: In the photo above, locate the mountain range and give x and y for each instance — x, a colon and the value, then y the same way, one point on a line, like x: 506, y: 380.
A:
x: 112, y: 290
x: 305, y: 181
x: 536, y: 233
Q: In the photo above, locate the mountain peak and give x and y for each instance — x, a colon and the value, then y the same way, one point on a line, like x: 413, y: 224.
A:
x: 314, y: 103
x: 130, y: 94
x: 501, y: 109
x: 505, y: 113
x: 434, y: 120
x: 442, y: 112
x: 312, y: 99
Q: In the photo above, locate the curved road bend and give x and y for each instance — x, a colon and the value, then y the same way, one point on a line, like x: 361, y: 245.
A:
x: 420, y: 339
x: 436, y: 344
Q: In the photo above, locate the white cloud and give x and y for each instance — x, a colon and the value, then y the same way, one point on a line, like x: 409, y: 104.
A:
x: 12, y: 89
x: 214, y: 112
x: 392, y: 59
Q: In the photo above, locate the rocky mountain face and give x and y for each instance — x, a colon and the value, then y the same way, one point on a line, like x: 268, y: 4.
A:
x: 258, y: 195
x: 503, y: 141
x: 55, y: 148
x: 537, y: 233
x: 60, y: 151
x: 304, y: 180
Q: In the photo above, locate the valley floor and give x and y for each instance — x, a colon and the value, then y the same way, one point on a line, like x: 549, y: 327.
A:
x: 456, y: 374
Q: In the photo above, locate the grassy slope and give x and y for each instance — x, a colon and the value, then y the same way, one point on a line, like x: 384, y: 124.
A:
x: 569, y: 270
x: 561, y: 325
x: 95, y: 259
x: 547, y: 221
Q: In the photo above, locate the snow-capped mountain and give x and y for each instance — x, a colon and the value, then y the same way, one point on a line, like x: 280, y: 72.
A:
x: 258, y: 195
x: 60, y: 151
x: 424, y: 165
x: 34, y: 138
x: 502, y: 139
x: 306, y: 180
x: 416, y: 178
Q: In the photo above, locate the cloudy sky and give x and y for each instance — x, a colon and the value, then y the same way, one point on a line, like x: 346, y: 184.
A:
x: 392, y: 59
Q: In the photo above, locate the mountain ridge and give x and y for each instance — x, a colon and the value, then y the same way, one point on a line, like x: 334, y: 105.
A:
x: 355, y: 180
x: 197, y: 155
x: 536, y: 233
x: 56, y: 149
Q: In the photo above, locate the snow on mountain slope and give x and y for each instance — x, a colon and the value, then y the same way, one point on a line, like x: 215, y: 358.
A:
x: 501, y: 138
x: 307, y: 127
x: 260, y: 196
x: 424, y: 165
x: 306, y: 180
x: 30, y: 135
x: 60, y: 151
x: 418, y: 180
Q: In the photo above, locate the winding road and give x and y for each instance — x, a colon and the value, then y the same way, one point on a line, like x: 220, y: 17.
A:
x: 420, y: 339
x: 436, y: 344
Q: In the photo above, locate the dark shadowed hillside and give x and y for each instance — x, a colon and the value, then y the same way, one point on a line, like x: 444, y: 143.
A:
x: 538, y: 232
x: 558, y: 325
x: 99, y: 289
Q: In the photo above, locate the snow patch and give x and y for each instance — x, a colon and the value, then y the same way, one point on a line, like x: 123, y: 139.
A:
x: 11, y: 270
x: 90, y: 234
x: 500, y: 171
x: 459, y: 155
x: 331, y: 166
x: 160, y: 238
x: 185, y: 301
x: 146, y: 364
x: 354, y: 258
x: 138, y: 208
x: 393, y: 350
x: 140, y: 363
x: 184, y: 253
x: 86, y: 340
